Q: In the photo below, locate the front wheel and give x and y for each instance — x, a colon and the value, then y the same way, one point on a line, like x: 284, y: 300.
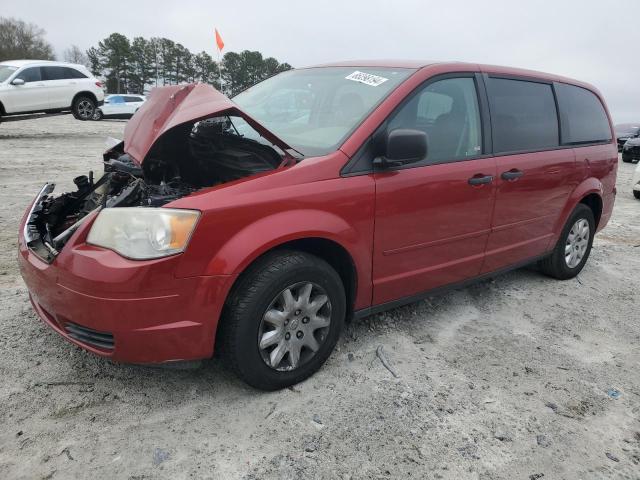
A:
x: 282, y: 320
x: 574, y: 245
x: 83, y: 108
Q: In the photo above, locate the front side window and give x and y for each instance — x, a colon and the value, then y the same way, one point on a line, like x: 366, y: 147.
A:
x: 132, y: 99
x: 31, y: 74
x: 523, y: 115
x: 6, y: 71
x: 582, y: 116
x: 116, y: 99
x: 315, y: 109
x: 447, y: 111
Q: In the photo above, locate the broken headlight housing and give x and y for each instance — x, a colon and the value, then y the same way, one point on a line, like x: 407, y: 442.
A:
x: 143, y: 233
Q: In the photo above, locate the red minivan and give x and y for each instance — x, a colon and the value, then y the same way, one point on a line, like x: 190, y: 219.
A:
x: 256, y: 226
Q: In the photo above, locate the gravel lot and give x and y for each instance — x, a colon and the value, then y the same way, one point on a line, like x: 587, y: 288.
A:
x: 506, y: 379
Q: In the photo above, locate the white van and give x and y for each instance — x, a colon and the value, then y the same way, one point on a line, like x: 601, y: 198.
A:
x: 33, y: 86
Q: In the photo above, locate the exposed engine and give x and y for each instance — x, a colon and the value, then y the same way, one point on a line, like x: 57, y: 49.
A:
x: 185, y: 159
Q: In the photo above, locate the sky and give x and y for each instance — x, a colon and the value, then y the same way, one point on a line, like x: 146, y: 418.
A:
x: 595, y: 41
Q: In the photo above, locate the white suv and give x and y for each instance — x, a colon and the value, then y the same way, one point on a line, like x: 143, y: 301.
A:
x: 119, y: 106
x: 31, y: 86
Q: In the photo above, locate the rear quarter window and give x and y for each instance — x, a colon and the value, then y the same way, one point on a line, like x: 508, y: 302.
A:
x: 73, y: 73
x: 582, y: 116
x: 523, y: 115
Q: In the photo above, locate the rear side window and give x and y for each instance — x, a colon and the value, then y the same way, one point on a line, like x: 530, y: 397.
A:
x: 52, y: 73
x: 31, y: 74
x: 582, y: 116
x: 61, y: 73
x: 523, y: 115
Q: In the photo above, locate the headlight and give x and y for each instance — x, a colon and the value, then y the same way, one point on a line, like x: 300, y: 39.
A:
x: 142, y: 233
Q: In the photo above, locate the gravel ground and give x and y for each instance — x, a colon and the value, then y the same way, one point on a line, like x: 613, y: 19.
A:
x: 506, y: 379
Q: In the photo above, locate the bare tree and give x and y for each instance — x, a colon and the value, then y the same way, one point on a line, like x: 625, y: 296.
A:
x: 21, y: 40
x: 74, y: 54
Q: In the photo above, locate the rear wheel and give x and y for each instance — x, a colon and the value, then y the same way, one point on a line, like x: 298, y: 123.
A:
x: 83, y: 107
x: 636, y: 193
x: 282, y: 319
x: 574, y: 245
x: 626, y: 159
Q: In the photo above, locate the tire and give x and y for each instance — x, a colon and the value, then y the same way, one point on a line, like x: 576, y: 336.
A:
x: 636, y: 193
x: 256, y: 295
x: 83, y: 107
x: 97, y: 115
x: 626, y: 159
x: 556, y: 265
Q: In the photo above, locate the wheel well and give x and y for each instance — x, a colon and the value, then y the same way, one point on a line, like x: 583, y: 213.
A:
x: 88, y: 94
x: 331, y: 252
x: 594, y: 202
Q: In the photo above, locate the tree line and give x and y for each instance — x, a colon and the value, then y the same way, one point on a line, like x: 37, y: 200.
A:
x: 133, y: 66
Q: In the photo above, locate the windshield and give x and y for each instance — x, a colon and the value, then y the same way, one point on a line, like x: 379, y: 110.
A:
x: 630, y: 130
x: 6, y: 71
x: 315, y: 109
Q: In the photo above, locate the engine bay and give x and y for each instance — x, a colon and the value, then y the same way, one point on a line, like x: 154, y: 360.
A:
x: 185, y: 159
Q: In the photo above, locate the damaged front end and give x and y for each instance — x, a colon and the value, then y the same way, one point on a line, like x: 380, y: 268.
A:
x: 180, y: 155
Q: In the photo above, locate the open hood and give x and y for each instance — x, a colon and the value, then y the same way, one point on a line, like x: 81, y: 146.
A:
x: 168, y: 107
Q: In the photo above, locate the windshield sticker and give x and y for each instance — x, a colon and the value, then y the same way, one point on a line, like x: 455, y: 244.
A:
x: 366, y: 78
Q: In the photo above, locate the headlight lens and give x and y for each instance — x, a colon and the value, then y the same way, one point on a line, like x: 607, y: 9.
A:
x: 143, y: 233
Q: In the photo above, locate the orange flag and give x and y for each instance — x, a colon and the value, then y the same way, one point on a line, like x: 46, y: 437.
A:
x: 219, y: 41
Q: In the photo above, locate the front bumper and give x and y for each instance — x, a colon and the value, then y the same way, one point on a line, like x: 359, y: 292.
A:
x: 126, y: 310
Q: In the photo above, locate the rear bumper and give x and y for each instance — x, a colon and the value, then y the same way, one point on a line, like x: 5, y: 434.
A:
x: 129, y: 311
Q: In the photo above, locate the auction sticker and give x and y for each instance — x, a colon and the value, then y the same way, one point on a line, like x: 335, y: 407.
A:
x: 366, y: 78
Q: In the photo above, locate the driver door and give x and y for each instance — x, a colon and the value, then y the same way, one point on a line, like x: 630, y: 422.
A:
x: 433, y: 218
x: 31, y: 96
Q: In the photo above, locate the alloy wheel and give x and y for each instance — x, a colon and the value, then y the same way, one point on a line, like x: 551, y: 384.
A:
x: 85, y: 109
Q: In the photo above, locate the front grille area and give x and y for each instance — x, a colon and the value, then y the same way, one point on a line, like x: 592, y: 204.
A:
x: 102, y: 340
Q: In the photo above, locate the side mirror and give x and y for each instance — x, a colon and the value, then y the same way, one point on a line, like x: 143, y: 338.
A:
x: 17, y: 82
x: 404, y: 146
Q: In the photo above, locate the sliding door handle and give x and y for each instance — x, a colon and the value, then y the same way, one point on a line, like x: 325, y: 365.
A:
x: 480, y: 179
x: 512, y: 174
